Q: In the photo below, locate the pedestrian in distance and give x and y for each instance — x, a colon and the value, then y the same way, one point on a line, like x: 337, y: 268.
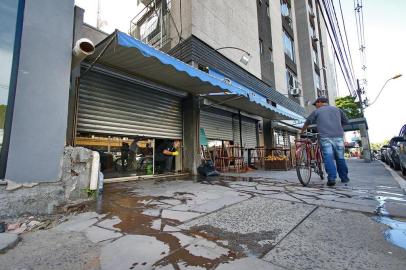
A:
x: 330, y: 121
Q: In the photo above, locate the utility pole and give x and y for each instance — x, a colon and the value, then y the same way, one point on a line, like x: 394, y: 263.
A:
x: 366, y: 148
x: 359, y: 92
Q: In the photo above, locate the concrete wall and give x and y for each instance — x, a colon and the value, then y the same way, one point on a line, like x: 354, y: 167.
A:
x: 229, y: 23
x: 184, y: 27
x: 278, y: 47
x: 41, y: 102
x: 305, y: 52
x: 329, y: 63
x: 297, y: 44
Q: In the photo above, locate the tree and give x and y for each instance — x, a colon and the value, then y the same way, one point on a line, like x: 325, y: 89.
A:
x: 349, y: 106
x: 377, y: 146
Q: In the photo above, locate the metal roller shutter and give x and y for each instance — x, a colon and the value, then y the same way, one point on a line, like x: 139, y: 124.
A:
x: 108, y: 105
x: 217, y: 126
x: 249, y: 132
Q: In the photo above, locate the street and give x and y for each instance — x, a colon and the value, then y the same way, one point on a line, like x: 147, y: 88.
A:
x: 261, y: 220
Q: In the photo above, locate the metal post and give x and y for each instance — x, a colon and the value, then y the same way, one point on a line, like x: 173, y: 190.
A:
x: 240, y: 124
x: 359, y: 92
x: 366, y: 147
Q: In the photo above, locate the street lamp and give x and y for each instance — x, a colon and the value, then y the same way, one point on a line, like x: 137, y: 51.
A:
x: 245, y: 58
x: 392, y: 78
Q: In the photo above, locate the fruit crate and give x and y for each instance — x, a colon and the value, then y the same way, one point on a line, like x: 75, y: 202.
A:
x: 277, y: 165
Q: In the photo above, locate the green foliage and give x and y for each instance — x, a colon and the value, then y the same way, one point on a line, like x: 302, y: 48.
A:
x: 349, y: 106
x: 2, y: 115
x: 378, y: 146
x: 90, y: 193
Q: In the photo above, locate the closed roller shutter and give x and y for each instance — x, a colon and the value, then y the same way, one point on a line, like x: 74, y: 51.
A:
x: 250, y: 132
x: 217, y: 126
x: 108, y: 105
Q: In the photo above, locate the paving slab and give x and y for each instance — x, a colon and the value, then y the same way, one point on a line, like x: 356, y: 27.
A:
x: 110, y: 223
x: 206, y: 249
x: 248, y: 263
x: 341, y: 205
x: 247, y: 223
x: 97, y: 234
x: 179, y: 215
x: 282, y: 196
x: 132, y: 250
x: 396, y: 209
x: 7, y: 241
x: 79, y: 222
x: 336, y: 239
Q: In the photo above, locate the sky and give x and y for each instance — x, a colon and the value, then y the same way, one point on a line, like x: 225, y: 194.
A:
x: 385, y: 35
x: 385, y: 41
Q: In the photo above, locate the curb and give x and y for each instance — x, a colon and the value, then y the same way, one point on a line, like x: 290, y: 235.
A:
x: 8, y: 241
x: 397, y: 177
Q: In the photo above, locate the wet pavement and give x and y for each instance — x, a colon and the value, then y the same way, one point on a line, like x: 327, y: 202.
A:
x: 265, y: 220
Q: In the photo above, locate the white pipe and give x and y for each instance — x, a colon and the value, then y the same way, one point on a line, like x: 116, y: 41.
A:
x: 83, y: 48
x: 94, y: 175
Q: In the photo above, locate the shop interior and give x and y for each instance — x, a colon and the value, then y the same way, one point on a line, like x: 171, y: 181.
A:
x: 134, y: 156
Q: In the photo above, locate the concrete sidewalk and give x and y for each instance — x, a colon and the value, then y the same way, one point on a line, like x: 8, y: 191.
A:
x: 263, y: 220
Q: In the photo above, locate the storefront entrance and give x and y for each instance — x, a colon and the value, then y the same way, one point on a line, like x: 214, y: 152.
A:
x: 127, y: 123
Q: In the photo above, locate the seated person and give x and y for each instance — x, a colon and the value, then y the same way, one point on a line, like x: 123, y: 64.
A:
x: 164, y: 153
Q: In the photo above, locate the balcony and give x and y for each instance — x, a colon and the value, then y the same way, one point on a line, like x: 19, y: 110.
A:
x: 152, y: 24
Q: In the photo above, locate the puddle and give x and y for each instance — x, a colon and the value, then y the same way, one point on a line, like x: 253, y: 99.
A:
x: 121, y: 201
x: 397, y: 232
x: 390, y: 193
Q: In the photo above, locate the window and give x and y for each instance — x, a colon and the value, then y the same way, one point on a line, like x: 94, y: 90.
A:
x: 289, y: 46
x: 315, y: 57
x: 10, y: 25
x: 285, y: 10
x: 261, y: 46
x: 290, y: 79
x: 270, y: 55
x: 317, y: 80
x: 267, y: 10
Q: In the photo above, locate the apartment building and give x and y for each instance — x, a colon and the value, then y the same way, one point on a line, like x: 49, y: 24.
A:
x: 277, y: 48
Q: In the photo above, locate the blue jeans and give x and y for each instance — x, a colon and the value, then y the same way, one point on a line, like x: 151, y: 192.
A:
x: 333, y: 150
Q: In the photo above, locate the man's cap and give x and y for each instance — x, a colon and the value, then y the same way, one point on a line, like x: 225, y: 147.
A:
x: 320, y: 99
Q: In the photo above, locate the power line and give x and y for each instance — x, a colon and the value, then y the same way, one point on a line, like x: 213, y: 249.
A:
x: 340, y: 51
x: 340, y: 48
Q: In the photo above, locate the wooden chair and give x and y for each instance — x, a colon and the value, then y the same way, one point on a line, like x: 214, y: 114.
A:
x: 235, y: 158
x: 260, y: 156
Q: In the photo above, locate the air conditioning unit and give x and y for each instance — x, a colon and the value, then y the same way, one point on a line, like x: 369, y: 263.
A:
x: 294, y: 91
x: 315, y: 39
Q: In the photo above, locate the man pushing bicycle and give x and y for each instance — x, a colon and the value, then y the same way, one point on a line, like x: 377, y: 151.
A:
x: 330, y: 121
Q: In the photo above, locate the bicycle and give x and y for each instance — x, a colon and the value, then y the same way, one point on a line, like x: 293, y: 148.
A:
x: 308, y: 158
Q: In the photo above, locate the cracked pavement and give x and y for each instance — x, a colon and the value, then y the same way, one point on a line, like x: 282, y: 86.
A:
x: 262, y: 220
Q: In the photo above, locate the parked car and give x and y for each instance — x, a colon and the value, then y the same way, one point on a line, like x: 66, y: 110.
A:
x: 402, y: 150
x: 392, y: 153
x: 383, y: 152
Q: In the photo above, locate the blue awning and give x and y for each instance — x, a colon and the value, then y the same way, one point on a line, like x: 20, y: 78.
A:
x: 129, y: 55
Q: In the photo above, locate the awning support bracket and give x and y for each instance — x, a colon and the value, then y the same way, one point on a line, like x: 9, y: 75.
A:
x: 113, y: 37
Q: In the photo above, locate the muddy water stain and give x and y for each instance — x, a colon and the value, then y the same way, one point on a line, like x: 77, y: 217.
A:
x: 121, y: 201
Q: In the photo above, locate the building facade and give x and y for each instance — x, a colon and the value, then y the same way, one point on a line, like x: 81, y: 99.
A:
x: 287, y: 40
x: 240, y: 72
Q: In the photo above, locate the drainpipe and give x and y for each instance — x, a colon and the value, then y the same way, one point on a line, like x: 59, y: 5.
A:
x: 83, y: 48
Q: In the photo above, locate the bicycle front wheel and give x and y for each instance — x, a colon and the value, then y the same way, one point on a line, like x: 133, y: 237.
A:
x: 303, y: 166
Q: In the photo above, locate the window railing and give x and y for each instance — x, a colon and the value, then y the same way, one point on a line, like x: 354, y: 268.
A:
x: 152, y: 24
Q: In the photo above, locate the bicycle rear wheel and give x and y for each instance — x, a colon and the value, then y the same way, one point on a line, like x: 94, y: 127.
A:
x: 303, y: 166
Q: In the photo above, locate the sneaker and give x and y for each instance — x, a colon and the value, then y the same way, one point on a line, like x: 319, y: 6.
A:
x: 345, y: 181
x: 331, y: 183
